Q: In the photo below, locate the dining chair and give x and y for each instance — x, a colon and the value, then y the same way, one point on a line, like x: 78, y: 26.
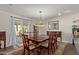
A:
x: 52, y: 43
x: 27, y: 46
x: 55, y: 37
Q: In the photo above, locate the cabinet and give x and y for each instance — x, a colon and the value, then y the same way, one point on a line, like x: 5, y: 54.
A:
x: 3, y: 38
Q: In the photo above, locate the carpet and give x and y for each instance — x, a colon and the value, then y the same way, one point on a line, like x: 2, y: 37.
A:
x: 70, y: 49
x: 63, y: 49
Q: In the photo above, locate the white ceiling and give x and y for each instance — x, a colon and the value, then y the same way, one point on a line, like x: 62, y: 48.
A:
x: 48, y: 10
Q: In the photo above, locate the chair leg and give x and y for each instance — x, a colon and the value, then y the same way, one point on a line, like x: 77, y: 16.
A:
x: 53, y: 49
x: 50, y: 51
x: 24, y: 51
x: 56, y: 45
x: 28, y: 52
x: 0, y: 45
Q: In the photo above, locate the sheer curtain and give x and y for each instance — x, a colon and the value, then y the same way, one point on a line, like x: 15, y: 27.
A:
x: 12, y: 32
x: 30, y: 24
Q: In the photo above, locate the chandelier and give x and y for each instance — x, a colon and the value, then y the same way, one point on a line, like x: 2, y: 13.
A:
x: 40, y: 24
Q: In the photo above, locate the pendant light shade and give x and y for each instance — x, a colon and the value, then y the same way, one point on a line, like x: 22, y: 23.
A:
x: 40, y: 24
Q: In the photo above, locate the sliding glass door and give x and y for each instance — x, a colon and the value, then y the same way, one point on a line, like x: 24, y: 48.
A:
x: 21, y: 26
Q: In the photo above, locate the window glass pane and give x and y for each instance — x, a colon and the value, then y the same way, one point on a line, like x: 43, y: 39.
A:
x: 21, y: 26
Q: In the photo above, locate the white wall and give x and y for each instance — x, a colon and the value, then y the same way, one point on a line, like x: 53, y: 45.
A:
x: 5, y: 23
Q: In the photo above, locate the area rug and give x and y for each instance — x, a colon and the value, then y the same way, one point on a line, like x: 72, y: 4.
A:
x: 70, y: 49
x: 63, y: 49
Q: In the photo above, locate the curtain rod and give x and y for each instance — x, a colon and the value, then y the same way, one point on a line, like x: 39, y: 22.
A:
x: 20, y: 18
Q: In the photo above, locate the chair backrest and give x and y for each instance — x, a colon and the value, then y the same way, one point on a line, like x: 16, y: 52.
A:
x: 52, y: 41
x: 55, y: 35
x: 25, y: 41
x: 52, y: 36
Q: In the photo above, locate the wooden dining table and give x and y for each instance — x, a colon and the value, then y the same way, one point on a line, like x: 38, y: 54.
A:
x: 38, y: 40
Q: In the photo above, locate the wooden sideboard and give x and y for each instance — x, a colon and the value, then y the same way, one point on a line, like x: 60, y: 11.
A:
x: 3, y: 38
x: 59, y: 33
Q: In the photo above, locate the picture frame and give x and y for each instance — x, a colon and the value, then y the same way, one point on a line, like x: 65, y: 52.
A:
x: 53, y: 25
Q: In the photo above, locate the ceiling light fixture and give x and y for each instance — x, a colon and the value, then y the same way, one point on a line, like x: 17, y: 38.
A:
x: 40, y: 24
x: 59, y: 14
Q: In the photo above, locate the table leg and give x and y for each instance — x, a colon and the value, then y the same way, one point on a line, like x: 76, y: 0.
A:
x: 0, y: 45
x: 38, y: 49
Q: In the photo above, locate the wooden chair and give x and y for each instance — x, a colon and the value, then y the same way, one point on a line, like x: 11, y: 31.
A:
x: 55, y: 37
x: 27, y: 46
x: 55, y: 40
x: 52, y: 43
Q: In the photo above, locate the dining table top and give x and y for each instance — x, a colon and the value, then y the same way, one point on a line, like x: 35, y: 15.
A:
x: 39, y: 39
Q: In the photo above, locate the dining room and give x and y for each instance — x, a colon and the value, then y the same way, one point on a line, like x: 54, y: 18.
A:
x: 39, y: 29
